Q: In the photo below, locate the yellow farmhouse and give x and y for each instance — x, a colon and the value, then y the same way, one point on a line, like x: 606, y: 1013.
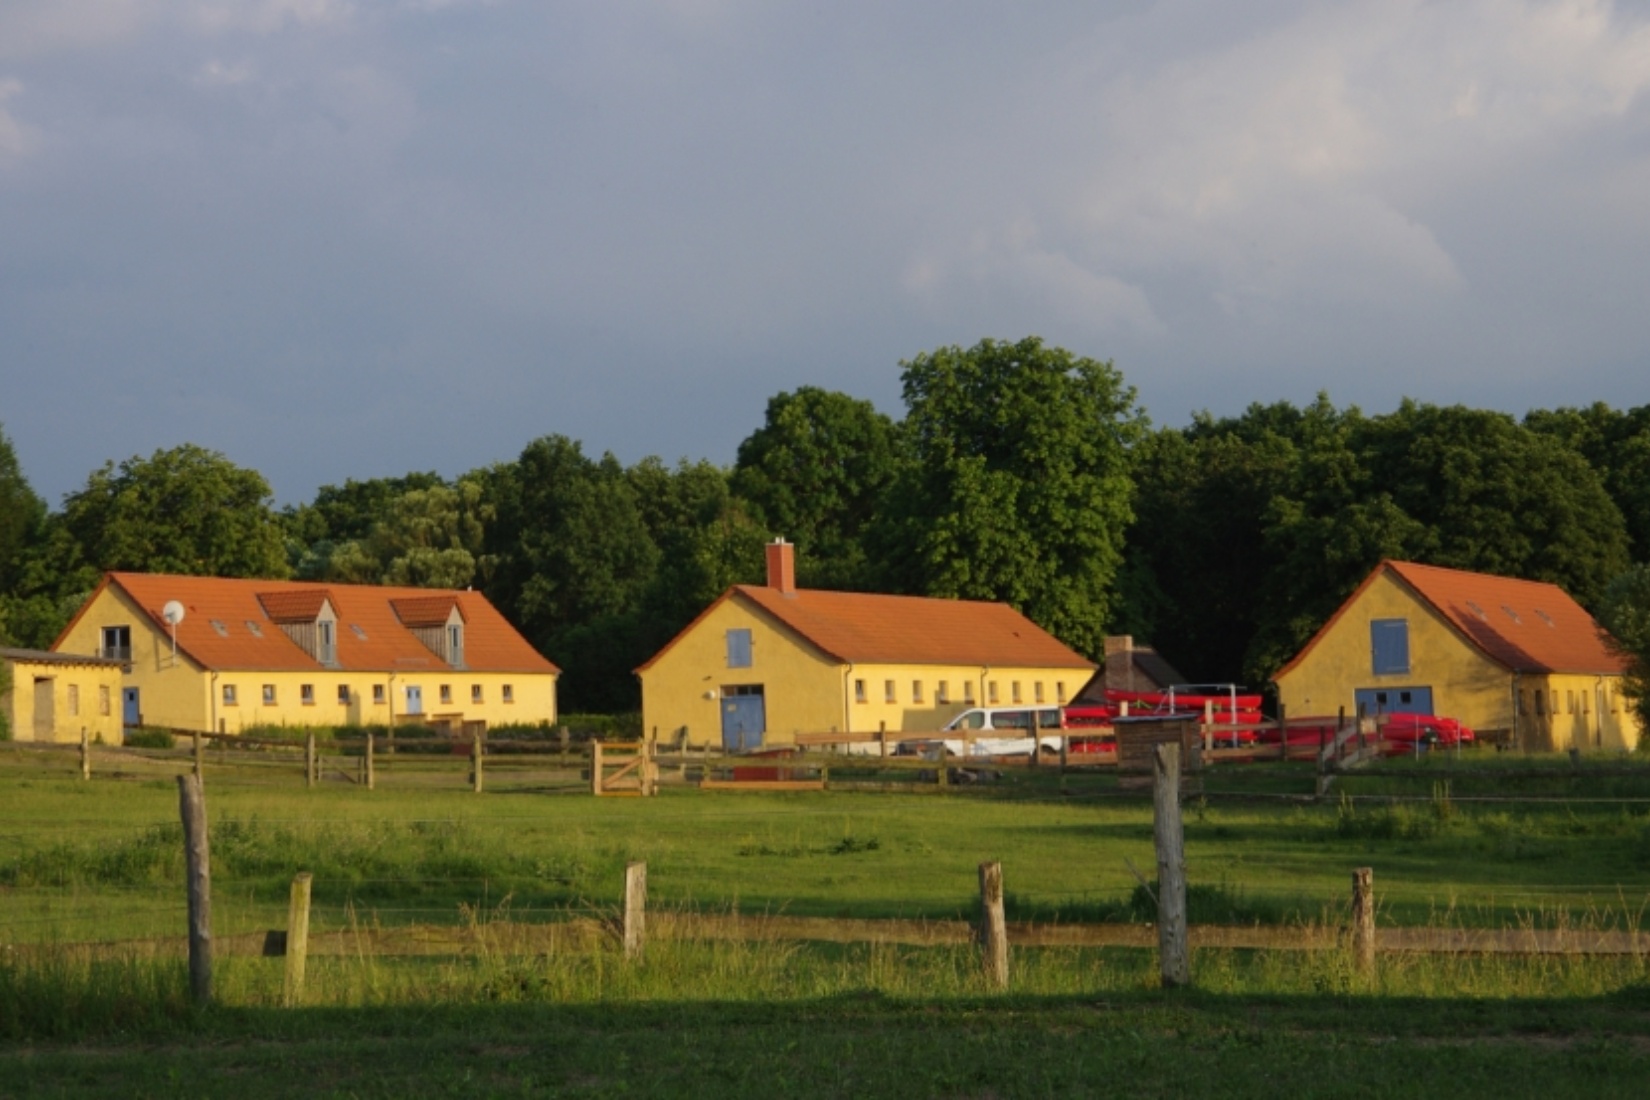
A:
x: 764, y: 663
x: 218, y: 654
x: 54, y: 696
x: 1518, y: 660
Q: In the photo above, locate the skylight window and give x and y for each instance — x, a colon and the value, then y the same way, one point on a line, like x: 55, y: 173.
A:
x: 1546, y: 618
x: 257, y: 631
x: 359, y: 633
x: 1511, y: 614
x: 1476, y: 610
x: 223, y: 631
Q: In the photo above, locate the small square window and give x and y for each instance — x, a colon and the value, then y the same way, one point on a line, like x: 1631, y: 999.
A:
x: 888, y: 694
x: 229, y: 697
x: 343, y: 694
x: 269, y: 695
x: 103, y: 700
x: 739, y: 648
x: 378, y: 694
x: 1037, y: 691
x: 447, y: 694
x: 991, y: 691
x: 475, y: 693
x: 968, y: 691
x: 507, y: 693
x: 942, y: 692
x: 1014, y: 691
x: 1060, y: 692
x: 859, y: 691
x: 306, y: 694
x: 916, y: 691
x: 1540, y: 703
x: 1569, y: 702
x: 74, y: 698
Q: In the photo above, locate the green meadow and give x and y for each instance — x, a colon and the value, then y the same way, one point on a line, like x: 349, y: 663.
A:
x: 100, y: 862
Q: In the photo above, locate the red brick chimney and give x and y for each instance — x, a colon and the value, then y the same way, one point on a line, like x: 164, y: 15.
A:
x: 782, y: 567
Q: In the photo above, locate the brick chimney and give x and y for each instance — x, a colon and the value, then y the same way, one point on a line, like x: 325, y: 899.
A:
x: 782, y: 567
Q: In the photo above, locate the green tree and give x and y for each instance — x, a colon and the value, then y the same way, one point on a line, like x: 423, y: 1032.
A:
x: 816, y: 472
x: 1624, y: 611
x: 1019, y: 488
x: 430, y: 537
x: 1617, y: 446
x: 184, y: 510
x: 22, y: 515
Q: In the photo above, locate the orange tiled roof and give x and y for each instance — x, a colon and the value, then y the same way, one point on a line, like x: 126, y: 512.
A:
x: 859, y: 626
x: 216, y: 634
x: 1527, y: 626
x: 294, y: 606
x: 424, y: 610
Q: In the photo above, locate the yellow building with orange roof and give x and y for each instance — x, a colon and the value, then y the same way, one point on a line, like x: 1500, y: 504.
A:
x: 766, y: 662
x: 1517, y: 660
x: 222, y: 654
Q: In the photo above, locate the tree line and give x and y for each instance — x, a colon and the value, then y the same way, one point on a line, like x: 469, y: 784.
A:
x: 1019, y: 472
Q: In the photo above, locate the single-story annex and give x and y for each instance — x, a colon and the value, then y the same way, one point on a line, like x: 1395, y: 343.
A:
x: 765, y: 662
x: 1514, y: 659
x: 55, y: 696
x: 236, y: 653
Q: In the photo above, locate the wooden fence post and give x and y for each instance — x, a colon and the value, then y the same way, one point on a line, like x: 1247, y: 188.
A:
x: 475, y: 763
x: 85, y: 754
x: 993, y: 926
x: 635, y: 909
x: 309, y: 759
x: 564, y: 739
x: 882, y: 738
x: 595, y: 767
x: 198, y: 877
x: 297, y: 940
x: 944, y: 777
x: 1363, y: 920
x: 200, y: 756
x: 372, y: 778
x: 1171, y: 866
x: 1036, y: 738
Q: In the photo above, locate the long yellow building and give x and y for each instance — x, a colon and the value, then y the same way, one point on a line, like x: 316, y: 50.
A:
x: 1517, y: 660
x: 219, y: 654
x: 763, y: 663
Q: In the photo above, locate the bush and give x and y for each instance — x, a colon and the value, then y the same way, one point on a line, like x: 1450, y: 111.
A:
x: 142, y: 738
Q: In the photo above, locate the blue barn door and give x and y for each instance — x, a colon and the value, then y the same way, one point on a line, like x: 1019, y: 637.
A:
x: 131, y: 713
x: 415, y: 699
x: 744, y: 717
x: 1409, y: 700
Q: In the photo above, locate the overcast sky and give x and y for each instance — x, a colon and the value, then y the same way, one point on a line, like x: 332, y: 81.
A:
x: 353, y: 238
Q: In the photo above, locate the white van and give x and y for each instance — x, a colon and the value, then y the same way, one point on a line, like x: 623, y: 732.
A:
x: 1005, y: 719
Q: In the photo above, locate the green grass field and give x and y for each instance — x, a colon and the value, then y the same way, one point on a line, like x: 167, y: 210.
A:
x: 102, y: 861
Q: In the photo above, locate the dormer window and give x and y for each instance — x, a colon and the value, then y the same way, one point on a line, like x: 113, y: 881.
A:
x: 437, y: 622
x: 455, y: 643
x: 326, y: 648
x: 307, y: 617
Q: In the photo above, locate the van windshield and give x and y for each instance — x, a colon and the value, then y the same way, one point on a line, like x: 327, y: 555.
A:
x: 969, y: 720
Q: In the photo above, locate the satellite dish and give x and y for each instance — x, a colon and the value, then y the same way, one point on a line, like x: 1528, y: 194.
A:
x: 172, y: 612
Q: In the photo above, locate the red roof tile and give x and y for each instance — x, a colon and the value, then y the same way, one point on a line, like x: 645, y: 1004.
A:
x: 424, y: 610
x: 298, y: 606
x: 1527, y: 626
x: 858, y: 626
x: 370, y: 637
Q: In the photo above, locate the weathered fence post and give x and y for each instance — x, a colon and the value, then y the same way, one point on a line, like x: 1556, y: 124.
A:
x: 882, y: 739
x: 309, y: 759
x: 372, y: 777
x: 944, y: 777
x: 1363, y: 920
x: 1036, y: 738
x: 1171, y: 866
x: 564, y: 739
x: 475, y: 763
x: 200, y: 755
x: 198, y: 877
x: 993, y: 926
x: 595, y: 767
x: 297, y: 940
x: 85, y: 754
x: 649, y: 768
x: 635, y: 909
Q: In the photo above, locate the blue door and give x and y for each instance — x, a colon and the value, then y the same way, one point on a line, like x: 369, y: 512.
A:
x: 744, y: 717
x: 415, y: 699
x: 131, y: 713
x: 1406, y: 700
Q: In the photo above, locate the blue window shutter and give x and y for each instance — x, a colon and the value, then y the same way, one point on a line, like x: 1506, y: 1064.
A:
x: 739, y: 649
x: 1389, y: 645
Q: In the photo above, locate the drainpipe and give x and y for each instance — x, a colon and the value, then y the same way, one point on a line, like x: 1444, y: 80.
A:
x: 1517, y: 739
x: 1598, y: 710
x: 212, y: 703
x: 985, y: 670
x: 847, y: 704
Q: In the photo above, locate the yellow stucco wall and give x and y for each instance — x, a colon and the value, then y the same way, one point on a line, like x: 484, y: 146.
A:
x: 1576, y: 712
x: 805, y: 691
x: 1465, y: 684
x: 178, y: 694
x: 81, y: 697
